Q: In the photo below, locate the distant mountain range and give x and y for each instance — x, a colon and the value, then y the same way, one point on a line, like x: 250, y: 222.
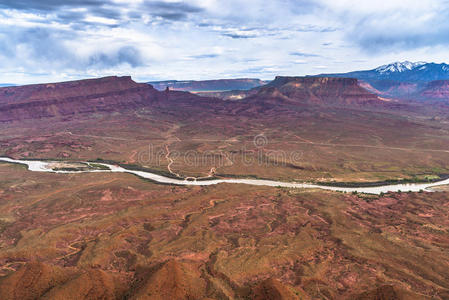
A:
x: 401, y: 71
x: 418, y: 81
x: 218, y: 85
x: 406, y: 80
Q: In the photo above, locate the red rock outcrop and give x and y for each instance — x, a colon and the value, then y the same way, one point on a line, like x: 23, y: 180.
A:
x: 119, y: 94
x: 272, y: 289
x: 32, y: 281
x: 392, y: 89
x: 73, y: 98
x: 91, y: 284
x: 388, y: 292
x: 436, y: 90
x: 174, y: 280
x: 42, y: 281
x: 318, y: 90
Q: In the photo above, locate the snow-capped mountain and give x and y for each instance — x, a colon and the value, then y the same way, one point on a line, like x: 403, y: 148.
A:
x: 402, y: 79
x: 401, y: 71
x: 399, y: 67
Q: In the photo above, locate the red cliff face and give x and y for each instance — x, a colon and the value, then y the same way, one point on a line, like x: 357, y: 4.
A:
x: 320, y: 91
x: 436, y: 90
x: 121, y: 94
x: 75, y: 97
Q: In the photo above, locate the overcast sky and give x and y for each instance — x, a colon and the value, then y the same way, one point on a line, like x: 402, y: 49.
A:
x: 56, y: 40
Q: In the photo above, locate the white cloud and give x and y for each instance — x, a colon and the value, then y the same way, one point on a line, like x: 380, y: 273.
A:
x: 201, y: 39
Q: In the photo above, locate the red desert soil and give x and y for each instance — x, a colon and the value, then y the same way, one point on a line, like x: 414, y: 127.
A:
x: 272, y: 289
x: 388, y: 292
x: 174, y: 280
x: 116, y: 236
x: 37, y: 280
x: 315, y: 128
x: 220, y: 242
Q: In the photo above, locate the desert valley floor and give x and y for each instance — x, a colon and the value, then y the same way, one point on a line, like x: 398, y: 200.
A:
x: 106, y: 235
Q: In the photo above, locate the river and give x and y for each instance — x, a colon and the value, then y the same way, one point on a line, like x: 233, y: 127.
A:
x: 44, y: 166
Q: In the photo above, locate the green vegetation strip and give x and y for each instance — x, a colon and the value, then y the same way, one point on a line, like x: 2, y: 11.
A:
x: 427, y: 179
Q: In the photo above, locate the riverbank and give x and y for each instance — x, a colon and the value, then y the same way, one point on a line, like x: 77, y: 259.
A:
x: 45, y: 166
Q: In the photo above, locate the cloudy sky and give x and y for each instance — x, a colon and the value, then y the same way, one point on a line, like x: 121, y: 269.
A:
x: 54, y: 40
